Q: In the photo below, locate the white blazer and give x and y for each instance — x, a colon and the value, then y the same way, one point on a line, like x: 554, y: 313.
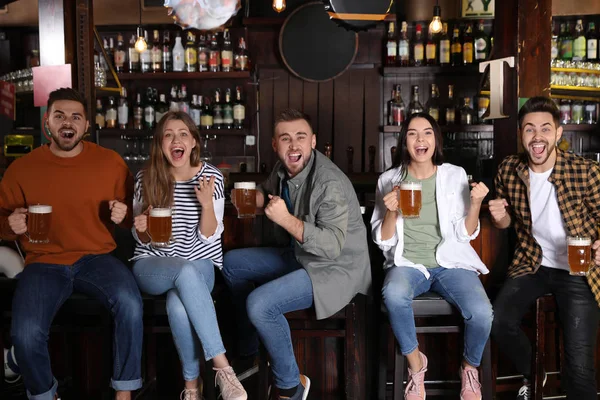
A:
x: 453, y: 199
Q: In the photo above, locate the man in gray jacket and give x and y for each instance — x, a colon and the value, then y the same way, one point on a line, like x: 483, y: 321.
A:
x: 323, y: 259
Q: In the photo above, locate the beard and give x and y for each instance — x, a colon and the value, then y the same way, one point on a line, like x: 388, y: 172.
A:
x: 65, y: 146
x: 550, y: 148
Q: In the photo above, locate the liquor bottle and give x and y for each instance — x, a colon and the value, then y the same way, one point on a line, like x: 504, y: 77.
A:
x: 161, y: 108
x: 467, y: 115
x: 227, y: 53
x: 156, y: 53
x: 433, y: 104
x: 450, y: 115
x: 202, y: 54
x: 138, y: 112
x: 565, y: 111
x: 482, y: 44
x: 592, y: 43
x: 579, y: 44
x: 565, y: 43
x: 206, y: 119
x: 111, y: 114
x: 103, y: 61
x: 178, y: 55
x: 111, y: 51
x: 554, y: 46
x: 589, y: 113
x: 404, y: 46
x: 167, y: 60
x: 123, y: 110
x: 184, y: 104
x: 239, y: 110
x: 134, y: 56
x: 483, y: 103
x: 191, y: 53
x: 397, y: 109
x: 431, y: 50
x: 391, y: 45
x: 444, y: 46
x: 149, y: 114
x: 174, y: 100
x: 241, y: 56
x: 228, y: 110
x: 456, y: 49
x: 415, y: 105
x: 577, y: 112
x: 120, y: 54
x: 195, y: 110
x: 100, y: 121
x: 390, y: 107
x: 467, y: 47
x: 217, y: 110
x: 214, y: 55
x: 145, y: 57
x: 418, y: 48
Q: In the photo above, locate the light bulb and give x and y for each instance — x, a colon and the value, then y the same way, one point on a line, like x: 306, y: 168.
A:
x: 436, y: 23
x: 140, y: 44
x: 279, y: 5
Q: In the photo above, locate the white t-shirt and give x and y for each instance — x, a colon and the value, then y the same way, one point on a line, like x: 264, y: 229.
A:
x: 548, y: 227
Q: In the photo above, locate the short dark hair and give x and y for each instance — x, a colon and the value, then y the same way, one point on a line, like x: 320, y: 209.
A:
x: 540, y: 104
x: 66, y: 94
x: 291, y: 114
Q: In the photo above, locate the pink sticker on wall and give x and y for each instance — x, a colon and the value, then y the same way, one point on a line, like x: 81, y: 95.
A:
x: 47, y: 79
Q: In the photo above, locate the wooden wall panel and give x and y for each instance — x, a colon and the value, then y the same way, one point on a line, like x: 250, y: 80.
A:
x: 575, y: 7
x: 325, y: 115
x: 266, y: 118
x: 354, y: 115
x: 341, y: 123
x: 372, y: 112
x: 21, y: 13
x: 296, y: 93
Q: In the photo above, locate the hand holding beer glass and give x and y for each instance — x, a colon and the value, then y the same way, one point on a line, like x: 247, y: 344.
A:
x: 409, y: 199
x: 579, y: 250
x: 243, y: 197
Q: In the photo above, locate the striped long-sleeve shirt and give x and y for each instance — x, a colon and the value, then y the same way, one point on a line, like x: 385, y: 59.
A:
x: 188, y: 241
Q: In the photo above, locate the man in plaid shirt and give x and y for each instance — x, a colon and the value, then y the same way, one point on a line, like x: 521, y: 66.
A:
x: 547, y: 195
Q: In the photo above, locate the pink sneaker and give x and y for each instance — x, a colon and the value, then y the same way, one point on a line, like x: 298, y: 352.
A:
x: 415, y: 388
x: 470, y: 386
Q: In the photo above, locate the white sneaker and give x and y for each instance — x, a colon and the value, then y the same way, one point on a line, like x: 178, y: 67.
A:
x: 190, y: 394
x: 10, y: 376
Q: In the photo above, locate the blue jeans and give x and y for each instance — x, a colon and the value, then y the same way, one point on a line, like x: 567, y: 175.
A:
x: 190, y: 307
x: 460, y: 287
x: 41, y: 291
x: 285, y: 287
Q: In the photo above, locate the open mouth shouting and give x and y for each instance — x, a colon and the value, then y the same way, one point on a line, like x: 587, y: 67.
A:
x: 66, y: 133
x: 421, y: 150
x: 537, y: 149
x: 177, y: 153
x: 294, y: 158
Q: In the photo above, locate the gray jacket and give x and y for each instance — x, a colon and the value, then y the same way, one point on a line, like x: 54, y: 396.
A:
x: 334, y: 250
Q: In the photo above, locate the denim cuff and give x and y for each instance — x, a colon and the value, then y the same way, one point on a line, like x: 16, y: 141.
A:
x: 126, y: 385
x: 49, y: 395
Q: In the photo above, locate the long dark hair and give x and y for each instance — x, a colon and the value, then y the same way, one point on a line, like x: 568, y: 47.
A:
x: 402, y: 157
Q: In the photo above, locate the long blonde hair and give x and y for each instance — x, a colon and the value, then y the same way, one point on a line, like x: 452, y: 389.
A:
x: 158, y: 182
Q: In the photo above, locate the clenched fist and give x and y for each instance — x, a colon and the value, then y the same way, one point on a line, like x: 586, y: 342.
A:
x: 118, y: 211
x: 18, y: 221
x: 276, y: 210
x: 478, y: 192
x: 498, y: 209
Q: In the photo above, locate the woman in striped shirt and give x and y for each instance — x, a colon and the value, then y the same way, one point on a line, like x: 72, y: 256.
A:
x: 176, y: 178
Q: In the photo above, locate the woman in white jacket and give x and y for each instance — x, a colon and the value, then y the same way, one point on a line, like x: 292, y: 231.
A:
x: 432, y: 252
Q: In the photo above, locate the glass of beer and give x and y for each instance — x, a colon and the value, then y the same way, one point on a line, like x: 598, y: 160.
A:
x: 409, y: 199
x: 38, y: 223
x: 579, y: 250
x: 245, y: 199
x: 160, y: 226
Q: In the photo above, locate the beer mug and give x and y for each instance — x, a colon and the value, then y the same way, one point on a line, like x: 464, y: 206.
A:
x: 245, y: 199
x: 409, y: 199
x: 160, y: 226
x: 38, y: 223
x: 579, y: 250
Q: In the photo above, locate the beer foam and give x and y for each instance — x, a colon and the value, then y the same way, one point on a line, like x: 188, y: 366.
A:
x: 410, y: 186
x: 160, y: 212
x: 40, y: 209
x: 245, y: 185
x: 579, y: 241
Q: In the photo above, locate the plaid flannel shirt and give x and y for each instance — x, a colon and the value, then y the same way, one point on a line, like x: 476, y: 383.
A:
x: 577, y: 183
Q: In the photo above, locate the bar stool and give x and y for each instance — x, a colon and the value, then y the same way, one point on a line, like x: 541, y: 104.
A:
x: 428, y: 304
x: 543, y: 305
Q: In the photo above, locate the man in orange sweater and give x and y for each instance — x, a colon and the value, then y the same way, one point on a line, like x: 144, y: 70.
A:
x: 90, y: 190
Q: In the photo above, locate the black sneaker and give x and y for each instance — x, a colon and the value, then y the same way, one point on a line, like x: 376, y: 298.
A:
x: 524, y: 392
x: 302, y: 391
x: 245, y: 367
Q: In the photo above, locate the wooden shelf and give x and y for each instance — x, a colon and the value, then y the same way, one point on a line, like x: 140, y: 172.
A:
x: 576, y: 70
x: 146, y: 132
x: 124, y: 76
x: 581, y: 127
x: 448, y: 128
x: 433, y: 69
x: 575, y: 89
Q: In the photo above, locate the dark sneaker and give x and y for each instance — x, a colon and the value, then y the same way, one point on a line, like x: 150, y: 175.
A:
x: 245, y: 367
x: 524, y: 392
x: 11, y: 370
x: 301, y: 392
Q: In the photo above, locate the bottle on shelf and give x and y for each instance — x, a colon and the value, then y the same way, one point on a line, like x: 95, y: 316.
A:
x: 577, y: 112
x: 482, y: 43
x: 202, y: 54
x: 167, y: 60
x: 133, y: 56
x: 161, y: 108
x: 241, y: 56
x: 554, y: 45
x: 418, y: 48
x: 589, y: 113
x: 174, y: 99
x: 397, y: 108
x: 108, y: 54
x: 391, y: 45
x: 138, y: 113
x: 404, y: 46
x: 450, y: 114
x: 111, y: 114
x: 467, y: 46
x: 467, y: 115
x: 111, y: 51
x: 178, y: 55
x: 120, y: 54
x: 456, y: 53
x: 195, y: 111
x: 431, y: 49
x: 100, y: 120
x: 227, y: 52
x: 191, y: 53
x: 123, y: 110
x: 592, y: 43
x: 579, y: 43
x: 206, y: 119
x: 217, y: 110
x: 483, y: 102
x: 565, y: 42
x: 433, y: 104
x: 444, y: 46
x: 565, y: 111
x: 415, y: 105
x: 149, y: 114
x: 184, y: 104
x: 228, y: 110
x: 390, y: 106
x: 146, y: 57
x: 156, y: 52
x: 214, y: 55
x: 239, y: 110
